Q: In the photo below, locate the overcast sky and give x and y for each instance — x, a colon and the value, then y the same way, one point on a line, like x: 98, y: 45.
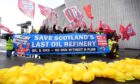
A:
x: 11, y: 15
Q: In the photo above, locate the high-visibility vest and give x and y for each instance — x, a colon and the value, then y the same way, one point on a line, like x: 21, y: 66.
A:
x: 9, y: 44
x: 99, y: 33
x: 110, y: 43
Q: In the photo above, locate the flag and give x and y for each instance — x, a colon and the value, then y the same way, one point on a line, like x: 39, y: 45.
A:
x: 5, y: 29
x: 73, y: 14
x: 130, y: 30
x: 88, y: 11
x: 106, y: 28
x: 84, y: 25
x: 122, y: 29
x: 76, y: 13
x: 69, y: 14
x: 27, y: 7
x: 69, y: 26
x: 124, y: 33
x: 127, y: 31
x: 1, y: 26
x: 44, y: 10
x: 53, y: 18
x: 91, y: 27
x: 50, y: 14
x: 100, y: 24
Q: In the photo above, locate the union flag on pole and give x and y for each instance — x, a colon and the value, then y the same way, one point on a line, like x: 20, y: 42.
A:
x: 44, y: 10
x: 27, y: 7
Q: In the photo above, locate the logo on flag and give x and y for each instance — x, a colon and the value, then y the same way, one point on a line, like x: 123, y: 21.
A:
x: 130, y: 30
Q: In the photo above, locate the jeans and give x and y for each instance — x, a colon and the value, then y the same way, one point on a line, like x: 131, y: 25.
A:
x: 9, y: 53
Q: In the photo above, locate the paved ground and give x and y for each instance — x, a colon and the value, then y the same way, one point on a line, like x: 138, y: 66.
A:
x: 5, y: 62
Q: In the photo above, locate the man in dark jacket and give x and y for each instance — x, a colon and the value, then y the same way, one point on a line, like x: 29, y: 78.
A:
x: 56, y: 31
x: 43, y: 30
x: 66, y: 30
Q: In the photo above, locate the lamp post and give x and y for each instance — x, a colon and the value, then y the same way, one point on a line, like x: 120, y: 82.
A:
x: 24, y: 26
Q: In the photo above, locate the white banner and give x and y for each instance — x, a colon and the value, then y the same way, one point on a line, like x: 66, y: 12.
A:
x: 20, y: 39
x: 72, y: 13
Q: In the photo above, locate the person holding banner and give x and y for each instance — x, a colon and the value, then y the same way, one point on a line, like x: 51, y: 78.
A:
x: 43, y: 30
x: 85, y: 29
x: 79, y: 30
x: 113, y: 47
x: 56, y: 31
x: 33, y: 31
x: 117, y: 37
x: 65, y: 30
x: 100, y: 31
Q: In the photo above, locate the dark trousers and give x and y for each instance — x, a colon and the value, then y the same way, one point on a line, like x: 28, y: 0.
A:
x: 9, y: 53
x: 112, y: 54
x: 117, y: 48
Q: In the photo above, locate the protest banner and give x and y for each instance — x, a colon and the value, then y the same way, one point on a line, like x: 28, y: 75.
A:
x: 62, y: 43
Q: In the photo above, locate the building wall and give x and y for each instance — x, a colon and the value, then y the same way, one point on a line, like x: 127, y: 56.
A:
x: 62, y: 20
x: 114, y: 13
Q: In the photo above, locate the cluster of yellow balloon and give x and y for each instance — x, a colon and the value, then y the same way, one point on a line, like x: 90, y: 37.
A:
x: 64, y: 73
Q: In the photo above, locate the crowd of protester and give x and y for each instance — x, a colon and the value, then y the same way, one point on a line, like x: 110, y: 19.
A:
x: 112, y: 37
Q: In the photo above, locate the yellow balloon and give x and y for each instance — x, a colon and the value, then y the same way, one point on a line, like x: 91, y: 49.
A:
x: 83, y: 58
x: 60, y: 72
x: 88, y: 76
x: 97, y: 72
x: 57, y: 81
x: 129, y: 76
x: 22, y: 80
x: 120, y: 77
x: 63, y: 79
x: 2, y: 74
x: 43, y: 81
x: 11, y: 80
x: 109, y: 73
x: 136, y: 73
x: 78, y: 71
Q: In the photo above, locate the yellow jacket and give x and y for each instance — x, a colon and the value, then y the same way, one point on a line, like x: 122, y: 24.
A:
x: 110, y: 43
x: 9, y: 44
